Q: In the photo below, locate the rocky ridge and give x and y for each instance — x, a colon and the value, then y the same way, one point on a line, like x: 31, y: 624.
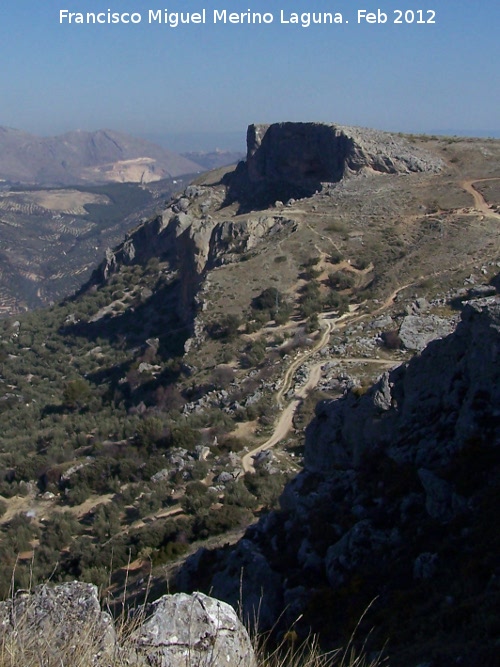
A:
x: 193, y: 242
x: 325, y: 152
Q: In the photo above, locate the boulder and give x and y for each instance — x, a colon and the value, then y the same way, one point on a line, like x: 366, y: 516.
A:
x: 61, y: 620
x: 417, y: 331
x: 64, y: 624
x: 191, y: 631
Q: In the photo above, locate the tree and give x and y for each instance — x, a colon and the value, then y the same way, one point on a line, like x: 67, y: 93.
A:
x: 76, y: 394
x: 340, y: 280
x: 268, y: 299
x: 226, y: 329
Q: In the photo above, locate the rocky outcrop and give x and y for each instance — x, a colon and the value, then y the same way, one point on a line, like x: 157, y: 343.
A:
x: 192, y: 243
x: 64, y: 623
x: 324, y: 152
x: 396, y: 504
x: 294, y: 160
x: 55, y: 621
x: 417, y: 331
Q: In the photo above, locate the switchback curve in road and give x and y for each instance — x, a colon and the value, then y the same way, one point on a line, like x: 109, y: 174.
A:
x: 480, y: 203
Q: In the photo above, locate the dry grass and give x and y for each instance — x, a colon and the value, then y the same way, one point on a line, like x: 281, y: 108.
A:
x: 310, y: 655
x: 46, y: 645
x: 290, y: 653
x: 26, y: 646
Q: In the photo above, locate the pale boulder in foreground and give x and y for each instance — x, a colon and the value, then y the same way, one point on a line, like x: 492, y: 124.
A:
x: 64, y: 624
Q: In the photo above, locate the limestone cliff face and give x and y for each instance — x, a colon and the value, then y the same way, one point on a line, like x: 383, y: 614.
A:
x: 294, y: 160
x: 193, y: 241
x: 323, y: 152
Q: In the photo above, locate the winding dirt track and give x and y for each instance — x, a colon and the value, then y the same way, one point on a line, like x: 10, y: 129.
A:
x: 480, y: 203
x: 285, y: 421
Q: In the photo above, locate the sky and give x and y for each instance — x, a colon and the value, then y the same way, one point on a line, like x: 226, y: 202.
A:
x: 157, y: 80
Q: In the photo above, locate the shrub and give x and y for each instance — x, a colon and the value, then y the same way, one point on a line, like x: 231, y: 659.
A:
x: 337, y: 302
x: 267, y: 299
x: 254, y: 354
x: 151, y: 431
x: 230, y: 443
x: 391, y: 340
x: 310, y: 307
x: 311, y: 273
x: 197, y: 498
x: 226, y: 329
x: 185, y: 437
x: 282, y: 314
x: 238, y: 494
x: 221, y: 520
x: 312, y: 261
x: 335, y: 257
x: 222, y: 376
x: 266, y: 487
x: 340, y: 280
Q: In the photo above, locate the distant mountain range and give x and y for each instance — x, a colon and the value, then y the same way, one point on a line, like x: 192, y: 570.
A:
x: 82, y: 157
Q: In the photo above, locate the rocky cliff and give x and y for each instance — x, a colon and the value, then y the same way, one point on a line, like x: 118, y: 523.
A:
x: 395, y: 507
x: 324, y: 152
x: 294, y: 160
x: 421, y: 413
x: 193, y: 240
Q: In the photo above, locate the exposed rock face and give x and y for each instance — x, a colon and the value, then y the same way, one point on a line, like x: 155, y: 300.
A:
x: 65, y: 622
x: 294, y: 160
x: 192, y: 243
x: 323, y: 152
x: 417, y: 331
x: 400, y: 488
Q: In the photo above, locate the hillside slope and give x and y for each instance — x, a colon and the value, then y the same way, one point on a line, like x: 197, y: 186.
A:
x: 80, y: 157
x: 52, y: 238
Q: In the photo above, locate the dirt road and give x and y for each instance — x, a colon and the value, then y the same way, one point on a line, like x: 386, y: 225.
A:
x: 480, y: 203
x: 285, y: 420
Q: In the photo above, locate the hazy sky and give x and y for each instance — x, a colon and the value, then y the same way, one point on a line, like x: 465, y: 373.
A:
x: 155, y: 79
